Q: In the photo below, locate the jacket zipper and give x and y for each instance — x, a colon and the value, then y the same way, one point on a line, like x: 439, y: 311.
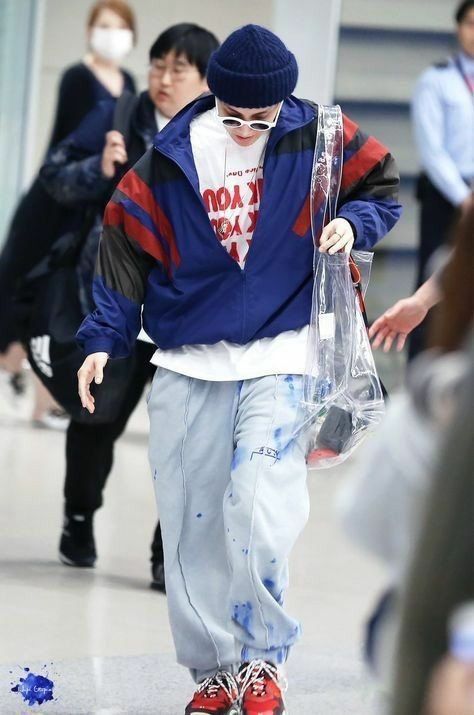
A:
x: 244, y: 304
x: 241, y: 270
x: 175, y: 161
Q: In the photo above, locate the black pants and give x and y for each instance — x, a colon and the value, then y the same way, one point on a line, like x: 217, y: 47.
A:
x: 90, y: 448
x: 35, y: 225
x: 436, y: 219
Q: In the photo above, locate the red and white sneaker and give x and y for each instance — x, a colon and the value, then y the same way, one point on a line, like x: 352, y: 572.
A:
x: 217, y: 695
x: 261, y: 689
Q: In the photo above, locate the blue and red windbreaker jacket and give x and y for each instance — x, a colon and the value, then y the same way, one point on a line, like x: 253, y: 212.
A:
x: 158, y: 248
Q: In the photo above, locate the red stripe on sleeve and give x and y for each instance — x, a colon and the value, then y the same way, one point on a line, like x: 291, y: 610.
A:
x: 139, y: 192
x: 350, y: 129
x: 144, y: 238
x: 368, y: 156
x: 113, y: 214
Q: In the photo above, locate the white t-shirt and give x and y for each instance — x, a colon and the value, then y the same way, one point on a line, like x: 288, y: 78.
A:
x: 232, y: 203
x: 161, y: 120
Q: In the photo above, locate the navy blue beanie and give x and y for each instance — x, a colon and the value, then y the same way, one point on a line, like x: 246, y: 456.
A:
x: 252, y: 68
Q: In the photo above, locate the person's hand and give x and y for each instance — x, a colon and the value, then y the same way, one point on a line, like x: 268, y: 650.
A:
x: 397, y: 322
x: 451, y: 690
x: 114, y: 152
x: 337, y: 236
x: 91, y: 369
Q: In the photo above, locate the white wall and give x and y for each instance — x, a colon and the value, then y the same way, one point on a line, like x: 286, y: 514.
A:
x: 309, y: 27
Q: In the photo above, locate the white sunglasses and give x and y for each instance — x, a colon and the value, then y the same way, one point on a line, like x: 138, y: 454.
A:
x: 258, y: 125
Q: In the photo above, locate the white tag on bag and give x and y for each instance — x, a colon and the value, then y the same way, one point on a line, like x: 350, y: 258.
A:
x: 327, y: 326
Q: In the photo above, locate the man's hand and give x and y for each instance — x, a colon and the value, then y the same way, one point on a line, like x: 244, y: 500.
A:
x: 337, y: 236
x: 114, y: 151
x: 396, y: 323
x: 91, y: 369
x: 403, y: 317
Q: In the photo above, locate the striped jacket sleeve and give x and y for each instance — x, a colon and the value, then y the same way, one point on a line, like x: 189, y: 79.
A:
x: 369, y: 187
x: 136, y: 237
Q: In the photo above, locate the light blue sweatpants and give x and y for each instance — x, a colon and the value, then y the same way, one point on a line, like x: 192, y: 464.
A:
x: 232, y: 500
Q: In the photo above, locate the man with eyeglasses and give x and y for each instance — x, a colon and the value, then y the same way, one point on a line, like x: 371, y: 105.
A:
x: 82, y: 171
x: 210, y: 232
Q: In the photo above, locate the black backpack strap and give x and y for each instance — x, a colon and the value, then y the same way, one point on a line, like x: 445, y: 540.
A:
x: 124, y: 109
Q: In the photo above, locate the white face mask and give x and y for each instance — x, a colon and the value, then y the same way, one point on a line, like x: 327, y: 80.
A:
x: 111, y: 44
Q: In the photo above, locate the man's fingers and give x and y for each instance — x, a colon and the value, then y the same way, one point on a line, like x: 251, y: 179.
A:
x: 99, y: 374
x: 335, y: 242
x: 380, y: 337
x: 119, y: 155
x: 84, y: 380
x: 376, y: 325
x: 329, y: 234
x: 338, y: 245
x: 401, y: 341
x: 389, y: 341
x: 114, y: 137
x: 91, y: 369
x: 87, y: 400
x: 329, y: 240
x: 326, y: 233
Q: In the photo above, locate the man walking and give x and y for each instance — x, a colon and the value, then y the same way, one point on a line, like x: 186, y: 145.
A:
x: 210, y: 233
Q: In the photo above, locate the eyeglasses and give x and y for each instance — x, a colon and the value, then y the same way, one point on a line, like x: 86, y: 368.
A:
x: 159, y: 69
x: 258, y: 125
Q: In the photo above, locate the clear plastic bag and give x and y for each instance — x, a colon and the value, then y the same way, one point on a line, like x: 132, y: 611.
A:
x: 342, y: 395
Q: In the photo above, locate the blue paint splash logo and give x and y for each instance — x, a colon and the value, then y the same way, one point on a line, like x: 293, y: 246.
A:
x: 34, y: 689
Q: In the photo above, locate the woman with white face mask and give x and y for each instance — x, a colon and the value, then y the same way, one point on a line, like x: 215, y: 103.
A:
x: 111, y: 35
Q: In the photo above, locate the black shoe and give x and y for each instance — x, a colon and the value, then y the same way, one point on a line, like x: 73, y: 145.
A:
x: 158, y: 576
x: 77, y: 546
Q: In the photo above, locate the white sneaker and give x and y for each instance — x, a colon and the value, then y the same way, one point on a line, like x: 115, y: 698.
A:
x: 53, y: 419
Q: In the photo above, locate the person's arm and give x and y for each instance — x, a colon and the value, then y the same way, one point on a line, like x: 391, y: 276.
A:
x: 73, y: 170
x: 428, y: 123
x: 128, y: 250
x: 404, y: 316
x: 368, y: 204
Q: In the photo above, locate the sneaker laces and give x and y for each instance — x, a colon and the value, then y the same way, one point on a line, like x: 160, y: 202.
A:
x: 221, y: 680
x: 253, y: 675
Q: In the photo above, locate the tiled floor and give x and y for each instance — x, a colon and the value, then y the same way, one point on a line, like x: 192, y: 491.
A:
x: 103, y: 635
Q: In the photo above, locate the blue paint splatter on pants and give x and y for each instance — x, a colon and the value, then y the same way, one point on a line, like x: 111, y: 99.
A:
x: 238, y: 458
x: 271, y: 588
x: 243, y: 615
x: 277, y: 437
